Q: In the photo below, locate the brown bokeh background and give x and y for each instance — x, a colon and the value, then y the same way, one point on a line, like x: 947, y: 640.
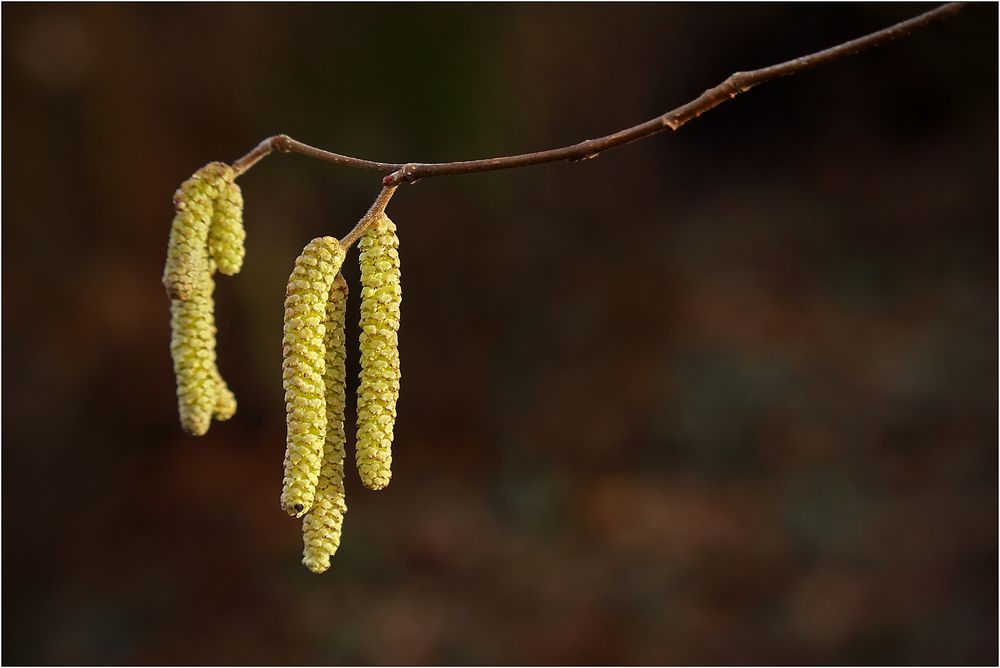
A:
x: 726, y: 395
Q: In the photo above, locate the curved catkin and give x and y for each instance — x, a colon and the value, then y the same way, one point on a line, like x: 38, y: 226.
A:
x: 303, y: 366
x: 322, y: 524
x: 192, y: 346
x: 379, y: 387
x: 226, y: 236
x: 204, y: 198
x: 187, y: 249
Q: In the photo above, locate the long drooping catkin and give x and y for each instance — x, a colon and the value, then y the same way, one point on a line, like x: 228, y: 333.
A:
x: 379, y: 387
x: 226, y: 236
x: 322, y: 524
x: 303, y: 366
x: 187, y: 251
x: 207, y: 200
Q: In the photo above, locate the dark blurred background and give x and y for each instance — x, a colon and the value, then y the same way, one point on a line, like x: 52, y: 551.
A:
x: 725, y: 395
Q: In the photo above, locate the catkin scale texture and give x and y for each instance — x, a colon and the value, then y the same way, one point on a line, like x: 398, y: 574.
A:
x: 225, y: 400
x: 321, y: 526
x: 206, y: 200
x: 187, y: 250
x: 378, y: 390
x: 192, y: 346
x: 303, y: 366
x: 226, y: 236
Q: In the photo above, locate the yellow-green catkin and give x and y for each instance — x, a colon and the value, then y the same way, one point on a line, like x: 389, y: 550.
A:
x: 201, y: 391
x: 322, y: 525
x: 379, y: 387
x: 226, y: 236
x: 187, y: 250
x: 208, y: 200
x: 192, y: 346
x: 303, y: 366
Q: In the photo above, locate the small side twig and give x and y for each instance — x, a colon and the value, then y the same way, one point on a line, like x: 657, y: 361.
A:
x: 259, y: 152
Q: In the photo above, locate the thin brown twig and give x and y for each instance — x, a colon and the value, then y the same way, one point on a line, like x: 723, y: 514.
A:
x: 376, y: 209
x: 740, y: 82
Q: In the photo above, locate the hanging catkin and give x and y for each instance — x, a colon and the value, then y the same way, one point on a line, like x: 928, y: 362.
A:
x: 226, y: 236
x: 187, y: 251
x: 201, y: 201
x: 379, y: 387
x: 303, y: 366
x: 322, y: 524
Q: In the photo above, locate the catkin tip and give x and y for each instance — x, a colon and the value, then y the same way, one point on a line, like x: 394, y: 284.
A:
x: 225, y: 401
x: 377, y: 484
x: 196, y: 426
x: 296, y: 509
x: 317, y: 567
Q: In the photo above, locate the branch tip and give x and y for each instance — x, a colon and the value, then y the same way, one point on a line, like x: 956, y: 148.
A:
x: 739, y: 82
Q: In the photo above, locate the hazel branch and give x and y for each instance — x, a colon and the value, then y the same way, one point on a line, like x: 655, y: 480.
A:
x: 739, y: 82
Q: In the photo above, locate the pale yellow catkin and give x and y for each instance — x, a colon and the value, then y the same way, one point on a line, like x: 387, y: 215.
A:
x: 322, y: 525
x: 303, y: 366
x: 200, y: 203
x: 192, y: 346
x: 378, y: 389
x: 226, y: 236
x: 187, y: 250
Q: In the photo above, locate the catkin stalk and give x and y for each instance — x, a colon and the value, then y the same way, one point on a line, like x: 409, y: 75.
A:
x: 322, y: 525
x: 303, y: 366
x: 378, y: 389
